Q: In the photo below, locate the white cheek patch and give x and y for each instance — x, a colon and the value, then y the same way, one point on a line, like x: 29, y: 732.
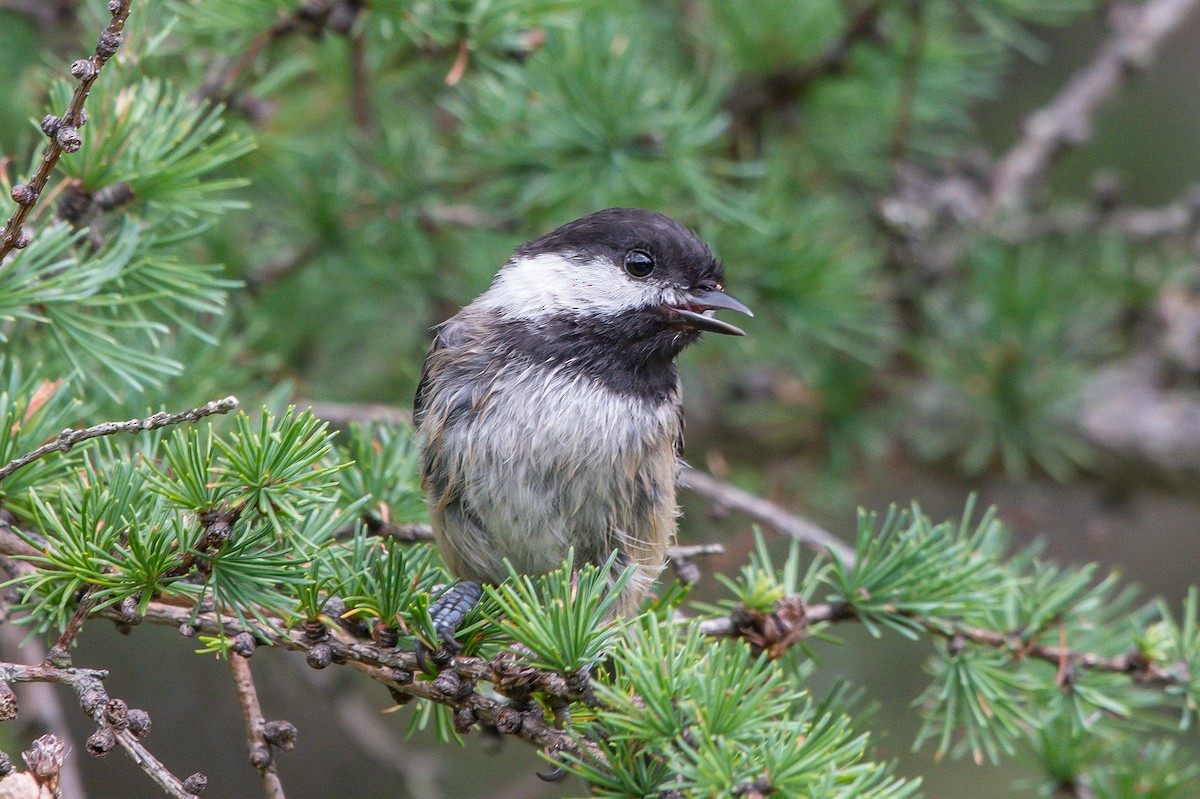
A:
x: 549, y: 284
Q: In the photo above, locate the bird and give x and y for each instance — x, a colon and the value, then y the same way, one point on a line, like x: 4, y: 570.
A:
x: 549, y: 411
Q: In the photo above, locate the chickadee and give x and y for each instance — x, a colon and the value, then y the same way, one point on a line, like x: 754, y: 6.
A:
x: 549, y: 412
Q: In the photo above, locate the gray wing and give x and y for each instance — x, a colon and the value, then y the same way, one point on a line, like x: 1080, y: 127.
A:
x: 446, y: 336
x: 443, y: 400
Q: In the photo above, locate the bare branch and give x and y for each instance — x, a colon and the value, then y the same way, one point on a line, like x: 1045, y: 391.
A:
x: 407, y: 533
x: 1125, y: 412
x: 1179, y: 218
x: 49, y: 14
x: 42, y: 709
x: 69, y: 438
x: 63, y: 132
x: 1137, y: 33
x: 792, y: 621
x: 268, y: 274
x: 110, y: 714
x: 343, y: 414
x: 395, y: 668
x: 312, y: 19
x: 261, y: 756
x: 683, y: 560
x: 60, y: 653
x: 362, y: 108
x: 767, y: 512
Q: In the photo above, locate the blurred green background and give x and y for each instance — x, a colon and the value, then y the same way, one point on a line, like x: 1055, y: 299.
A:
x: 376, y: 162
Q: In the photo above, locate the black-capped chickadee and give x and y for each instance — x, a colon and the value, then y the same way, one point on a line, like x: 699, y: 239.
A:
x: 549, y: 413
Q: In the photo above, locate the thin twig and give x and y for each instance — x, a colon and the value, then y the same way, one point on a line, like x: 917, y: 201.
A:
x: 776, y: 626
x: 69, y: 438
x: 423, y: 533
x: 1178, y: 218
x: 60, y: 653
x: 89, y: 687
x: 63, y: 133
x: 767, y: 512
x: 1067, y: 119
x: 52, y: 14
x: 268, y: 274
x: 683, y: 560
x: 261, y: 756
x: 312, y: 18
x: 344, y: 414
x: 42, y: 709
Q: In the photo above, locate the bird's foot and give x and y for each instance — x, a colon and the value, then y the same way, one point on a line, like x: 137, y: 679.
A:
x: 448, y: 613
x: 552, y: 774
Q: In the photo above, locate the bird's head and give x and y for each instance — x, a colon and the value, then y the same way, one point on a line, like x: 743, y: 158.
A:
x: 639, y: 274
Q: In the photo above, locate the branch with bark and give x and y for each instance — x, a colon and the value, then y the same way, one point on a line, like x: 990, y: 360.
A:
x: 70, y: 438
x: 63, y: 131
x: 261, y: 736
x: 792, y: 620
x: 1066, y: 121
x: 456, y: 686
x: 117, y: 724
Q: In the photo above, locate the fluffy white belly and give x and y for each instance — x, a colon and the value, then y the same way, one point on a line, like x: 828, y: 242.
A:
x: 550, y: 461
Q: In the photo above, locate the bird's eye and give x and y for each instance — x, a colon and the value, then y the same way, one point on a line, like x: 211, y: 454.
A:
x: 639, y: 263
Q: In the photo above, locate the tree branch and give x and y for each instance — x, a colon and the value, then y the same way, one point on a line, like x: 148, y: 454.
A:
x: 261, y: 756
x: 906, y: 97
x: 343, y: 414
x: 767, y: 512
x: 396, y: 669
x: 60, y: 653
x: 1106, y: 213
x: 69, y: 438
x: 42, y: 708
x: 112, y: 715
x: 49, y: 14
x: 312, y: 18
x: 1137, y: 33
x: 64, y: 132
x: 792, y: 620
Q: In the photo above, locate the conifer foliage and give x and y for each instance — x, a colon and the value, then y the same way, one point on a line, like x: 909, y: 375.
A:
x: 247, y: 195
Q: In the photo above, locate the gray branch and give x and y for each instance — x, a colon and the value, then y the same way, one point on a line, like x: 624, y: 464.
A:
x: 106, y: 712
x: 767, y: 512
x: 261, y: 756
x: 70, y: 437
x: 1066, y: 121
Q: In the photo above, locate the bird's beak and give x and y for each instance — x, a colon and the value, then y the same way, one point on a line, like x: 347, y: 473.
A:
x: 698, y: 306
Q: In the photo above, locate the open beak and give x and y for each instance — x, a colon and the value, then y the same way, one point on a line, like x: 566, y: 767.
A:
x: 698, y: 308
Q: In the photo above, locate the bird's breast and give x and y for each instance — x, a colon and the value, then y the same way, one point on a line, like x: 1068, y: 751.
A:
x: 545, y: 459
x: 552, y: 420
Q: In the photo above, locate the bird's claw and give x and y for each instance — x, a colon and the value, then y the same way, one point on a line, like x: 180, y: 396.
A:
x: 448, y: 613
x: 552, y: 774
